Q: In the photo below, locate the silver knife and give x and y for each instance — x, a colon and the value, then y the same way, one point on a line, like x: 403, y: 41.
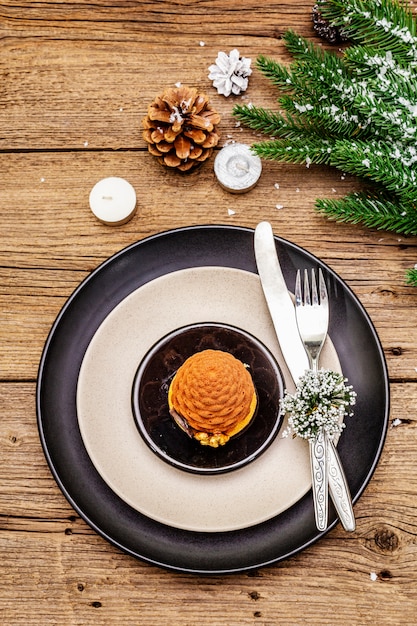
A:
x: 339, y: 489
x: 279, y: 301
x: 282, y: 312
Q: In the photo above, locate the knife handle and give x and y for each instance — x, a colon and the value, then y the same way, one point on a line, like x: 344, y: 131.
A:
x: 339, y: 489
x: 319, y: 474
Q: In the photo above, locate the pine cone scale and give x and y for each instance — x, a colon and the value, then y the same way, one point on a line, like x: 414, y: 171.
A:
x: 196, y: 135
x: 163, y: 147
x: 157, y: 135
x: 170, y: 135
x: 198, y: 121
x: 157, y: 115
x: 195, y: 152
x: 182, y: 147
x: 154, y: 150
x: 172, y: 160
x: 212, y: 115
x: 205, y: 155
x: 210, y: 141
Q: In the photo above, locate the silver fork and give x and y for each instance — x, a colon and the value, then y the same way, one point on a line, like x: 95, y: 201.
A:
x: 312, y: 313
x: 312, y: 319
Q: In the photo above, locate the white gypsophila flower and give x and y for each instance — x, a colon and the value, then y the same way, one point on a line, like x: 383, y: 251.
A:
x: 230, y: 73
x: 321, y: 400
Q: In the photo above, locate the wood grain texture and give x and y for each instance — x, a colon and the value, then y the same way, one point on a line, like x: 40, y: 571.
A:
x: 54, y: 240
x: 76, y: 80
x: 72, y: 576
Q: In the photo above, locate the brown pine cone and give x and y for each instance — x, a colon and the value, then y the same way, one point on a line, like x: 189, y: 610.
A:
x: 180, y: 128
x: 332, y: 34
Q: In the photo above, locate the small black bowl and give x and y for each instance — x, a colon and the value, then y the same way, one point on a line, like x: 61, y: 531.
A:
x: 150, y: 399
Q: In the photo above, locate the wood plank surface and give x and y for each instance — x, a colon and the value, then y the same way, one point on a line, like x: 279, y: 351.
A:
x: 61, y: 567
x: 76, y: 80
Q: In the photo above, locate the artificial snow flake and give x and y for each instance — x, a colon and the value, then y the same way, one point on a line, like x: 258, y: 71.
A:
x: 230, y: 73
x: 302, y: 108
x: 321, y: 400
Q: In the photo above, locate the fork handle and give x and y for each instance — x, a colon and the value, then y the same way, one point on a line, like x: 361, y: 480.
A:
x: 320, y: 478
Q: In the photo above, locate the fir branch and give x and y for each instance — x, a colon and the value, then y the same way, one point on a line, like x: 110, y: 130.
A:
x: 381, y: 73
x: 314, y: 71
x: 378, y: 161
x: 370, y: 61
x: 373, y: 210
x: 395, y: 122
x: 296, y: 150
x: 327, y: 94
x: 356, y: 111
x: 275, y: 72
x: 328, y: 118
x: 305, y: 51
x: 272, y: 123
x: 391, y: 97
x: 309, y: 106
x: 388, y: 24
x: 411, y: 277
x: 319, y: 73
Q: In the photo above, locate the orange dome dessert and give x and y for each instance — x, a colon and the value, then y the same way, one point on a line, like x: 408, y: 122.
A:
x: 212, y: 397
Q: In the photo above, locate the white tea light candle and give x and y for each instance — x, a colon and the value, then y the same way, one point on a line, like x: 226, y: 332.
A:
x: 113, y: 201
x: 237, y: 169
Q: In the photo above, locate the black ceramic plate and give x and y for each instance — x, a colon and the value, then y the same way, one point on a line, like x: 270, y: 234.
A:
x: 360, y: 355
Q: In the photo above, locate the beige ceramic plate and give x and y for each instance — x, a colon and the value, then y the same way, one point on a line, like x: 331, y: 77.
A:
x: 236, y: 500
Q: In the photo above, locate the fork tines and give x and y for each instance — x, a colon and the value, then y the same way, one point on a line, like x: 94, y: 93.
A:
x: 311, y: 296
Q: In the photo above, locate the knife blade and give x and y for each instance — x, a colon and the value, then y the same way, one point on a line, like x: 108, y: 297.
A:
x: 282, y: 312
x: 278, y: 299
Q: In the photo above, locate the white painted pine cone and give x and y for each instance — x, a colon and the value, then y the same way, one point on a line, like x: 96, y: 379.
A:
x: 230, y: 73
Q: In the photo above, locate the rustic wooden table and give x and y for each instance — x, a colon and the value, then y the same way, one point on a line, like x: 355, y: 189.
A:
x: 76, y: 80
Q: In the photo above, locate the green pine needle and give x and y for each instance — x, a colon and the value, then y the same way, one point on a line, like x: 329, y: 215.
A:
x: 373, y: 210
x: 269, y: 122
x: 380, y: 162
x: 411, y: 277
x: 295, y: 150
x: 277, y: 74
x: 355, y: 110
